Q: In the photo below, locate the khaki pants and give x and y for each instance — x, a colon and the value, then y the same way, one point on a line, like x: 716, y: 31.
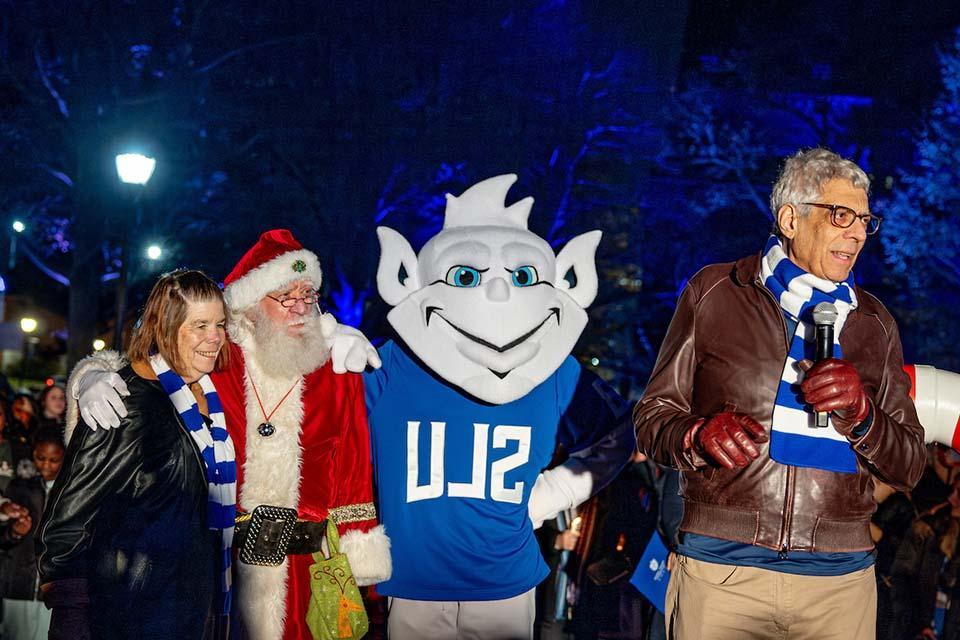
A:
x: 509, y: 619
x: 721, y: 602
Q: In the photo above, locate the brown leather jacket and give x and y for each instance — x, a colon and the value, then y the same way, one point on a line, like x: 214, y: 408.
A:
x: 727, y: 343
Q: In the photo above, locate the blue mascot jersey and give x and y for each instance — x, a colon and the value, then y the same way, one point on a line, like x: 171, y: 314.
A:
x: 454, y: 476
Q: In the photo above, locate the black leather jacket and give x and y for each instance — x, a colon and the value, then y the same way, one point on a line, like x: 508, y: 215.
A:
x: 727, y: 343
x: 125, y: 527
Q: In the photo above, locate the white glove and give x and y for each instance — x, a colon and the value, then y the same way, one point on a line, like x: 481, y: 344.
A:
x: 99, y: 394
x: 349, y: 348
x: 559, y: 489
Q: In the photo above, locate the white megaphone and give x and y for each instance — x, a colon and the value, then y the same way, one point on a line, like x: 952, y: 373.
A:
x: 936, y: 394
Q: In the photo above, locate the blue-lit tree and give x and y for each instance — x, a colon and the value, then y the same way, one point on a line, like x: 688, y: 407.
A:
x: 80, y: 82
x: 576, y: 112
x: 921, y: 228
x: 728, y: 133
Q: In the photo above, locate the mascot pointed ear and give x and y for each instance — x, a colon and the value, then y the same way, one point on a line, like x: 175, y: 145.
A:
x: 397, y: 275
x: 577, y: 258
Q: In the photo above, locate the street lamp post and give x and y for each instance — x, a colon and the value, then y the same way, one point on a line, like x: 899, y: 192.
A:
x: 18, y: 228
x: 132, y: 168
x: 28, y: 326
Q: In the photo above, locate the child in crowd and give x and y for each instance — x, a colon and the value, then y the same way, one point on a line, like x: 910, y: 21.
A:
x: 24, y: 615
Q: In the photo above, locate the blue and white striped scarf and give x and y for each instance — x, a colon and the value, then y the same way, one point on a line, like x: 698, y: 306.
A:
x: 219, y: 456
x: 793, y: 440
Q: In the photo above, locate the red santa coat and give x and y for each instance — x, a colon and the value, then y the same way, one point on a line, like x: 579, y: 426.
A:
x: 317, y: 461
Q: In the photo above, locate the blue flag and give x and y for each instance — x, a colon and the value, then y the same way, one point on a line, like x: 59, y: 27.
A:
x: 651, y: 576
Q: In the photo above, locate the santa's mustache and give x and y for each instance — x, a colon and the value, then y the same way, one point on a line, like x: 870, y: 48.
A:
x: 281, y: 353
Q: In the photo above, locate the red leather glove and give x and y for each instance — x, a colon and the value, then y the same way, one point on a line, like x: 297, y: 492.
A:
x: 730, y: 438
x: 834, y: 385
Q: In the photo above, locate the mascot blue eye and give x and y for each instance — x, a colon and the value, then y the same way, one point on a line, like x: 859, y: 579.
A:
x: 461, y: 276
x: 524, y: 276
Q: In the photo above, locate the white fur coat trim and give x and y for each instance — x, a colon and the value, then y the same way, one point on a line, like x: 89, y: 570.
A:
x: 271, y: 475
x: 100, y: 361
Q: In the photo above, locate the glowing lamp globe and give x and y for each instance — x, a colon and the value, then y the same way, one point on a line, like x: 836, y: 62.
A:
x: 135, y: 168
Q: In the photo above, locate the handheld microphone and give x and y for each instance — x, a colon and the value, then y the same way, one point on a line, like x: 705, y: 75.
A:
x: 824, y: 317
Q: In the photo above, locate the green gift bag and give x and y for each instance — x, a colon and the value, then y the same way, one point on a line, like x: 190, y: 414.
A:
x: 336, y: 608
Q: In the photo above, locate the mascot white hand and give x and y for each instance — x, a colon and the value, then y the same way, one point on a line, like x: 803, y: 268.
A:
x: 98, y: 391
x: 349, y: 348
x: 101, y: 396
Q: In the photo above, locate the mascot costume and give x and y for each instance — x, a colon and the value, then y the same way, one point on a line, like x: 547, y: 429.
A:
x: 469, y: 406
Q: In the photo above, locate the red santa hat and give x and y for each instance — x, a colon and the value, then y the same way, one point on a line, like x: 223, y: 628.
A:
x: 276, y: 260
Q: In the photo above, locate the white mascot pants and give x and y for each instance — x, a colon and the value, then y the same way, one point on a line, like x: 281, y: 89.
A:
x: 509, y: 619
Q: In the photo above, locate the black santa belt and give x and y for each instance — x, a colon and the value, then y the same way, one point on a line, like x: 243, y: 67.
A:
x: 268, y: 534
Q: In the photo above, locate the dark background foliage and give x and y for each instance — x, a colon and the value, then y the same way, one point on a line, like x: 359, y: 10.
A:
x: 661, y: 123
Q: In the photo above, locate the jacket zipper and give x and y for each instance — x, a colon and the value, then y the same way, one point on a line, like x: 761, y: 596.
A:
x: 787, y: 522
x: 787, y: 519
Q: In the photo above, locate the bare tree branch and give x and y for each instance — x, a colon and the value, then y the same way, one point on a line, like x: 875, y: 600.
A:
x: 951, y: 271
x: 301, y: 181
x: 61, y: 103
x: 259, y: 45
x: 570, y: 181
x: 59, y: 175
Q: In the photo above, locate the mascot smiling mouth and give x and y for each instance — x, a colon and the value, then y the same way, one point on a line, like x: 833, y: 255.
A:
x: 554, y: 313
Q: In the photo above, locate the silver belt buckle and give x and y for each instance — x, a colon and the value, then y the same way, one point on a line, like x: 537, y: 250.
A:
x: 268, y: 535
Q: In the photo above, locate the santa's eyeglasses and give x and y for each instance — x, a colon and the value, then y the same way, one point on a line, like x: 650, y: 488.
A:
x: 286, y: 302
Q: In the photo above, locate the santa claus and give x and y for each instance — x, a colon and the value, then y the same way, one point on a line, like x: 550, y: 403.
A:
x: 300, y: 429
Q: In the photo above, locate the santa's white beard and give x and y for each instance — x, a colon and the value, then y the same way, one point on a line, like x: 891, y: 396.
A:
x: 280, y: 354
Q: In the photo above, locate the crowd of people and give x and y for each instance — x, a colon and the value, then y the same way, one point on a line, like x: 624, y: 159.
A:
x: 31, y: 454
x: 917, y: 553
x: 248, y: 463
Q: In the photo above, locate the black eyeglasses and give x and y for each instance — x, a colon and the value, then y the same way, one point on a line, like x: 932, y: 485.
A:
x: 286, y: 303
x: 843, y: 217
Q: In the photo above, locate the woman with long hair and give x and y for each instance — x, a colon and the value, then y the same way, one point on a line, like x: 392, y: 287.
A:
x: 53, y: 406
x: 136, y: 534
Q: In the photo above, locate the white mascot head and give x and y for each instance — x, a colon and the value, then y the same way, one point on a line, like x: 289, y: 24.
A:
x: 487, y: 305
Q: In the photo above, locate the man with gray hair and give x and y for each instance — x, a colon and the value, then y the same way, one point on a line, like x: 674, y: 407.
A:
x: 776, y: 529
